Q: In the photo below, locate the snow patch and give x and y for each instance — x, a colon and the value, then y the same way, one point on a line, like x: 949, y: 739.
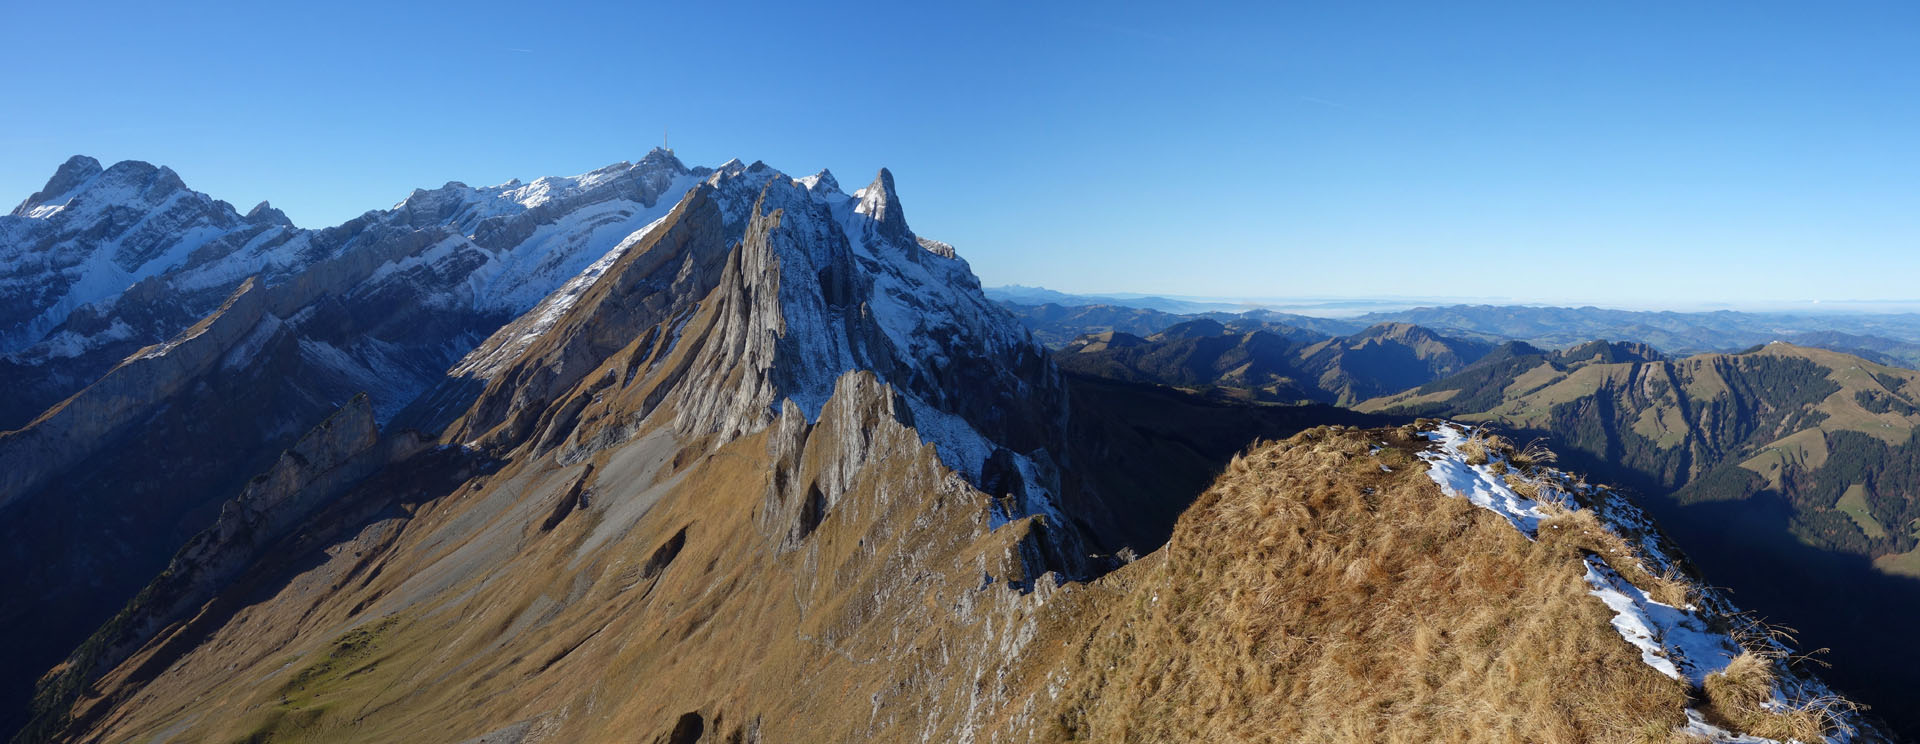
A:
x: 1698, y: 726
x: 1448, y: 467
x: 1678, y: 642
x: 485, y: 362
x: 1673, y: 640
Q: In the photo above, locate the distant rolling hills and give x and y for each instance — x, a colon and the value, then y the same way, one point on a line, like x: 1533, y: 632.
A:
x: 1274, y: 362
x: 1057, y: 318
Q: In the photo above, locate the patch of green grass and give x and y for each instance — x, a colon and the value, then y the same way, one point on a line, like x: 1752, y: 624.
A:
x: 1900, y: 564
x: 350, y: 656
x: 1853, y: 503
x: 301, y: 711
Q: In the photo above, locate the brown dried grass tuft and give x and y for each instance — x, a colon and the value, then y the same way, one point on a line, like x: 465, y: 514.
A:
x: 1738, y: 698
x: 1532, y: 456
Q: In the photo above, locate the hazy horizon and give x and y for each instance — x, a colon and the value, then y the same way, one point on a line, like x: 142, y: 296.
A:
x: 1323, y: 305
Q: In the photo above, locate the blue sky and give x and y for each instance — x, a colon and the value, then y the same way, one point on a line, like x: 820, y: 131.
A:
x: 1655, y: 154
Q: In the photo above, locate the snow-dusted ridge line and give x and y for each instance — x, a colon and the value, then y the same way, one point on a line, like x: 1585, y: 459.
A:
x: 1679, y: 642
x: 920, y: 292
x: 77, y: 247
x: 908, y: 310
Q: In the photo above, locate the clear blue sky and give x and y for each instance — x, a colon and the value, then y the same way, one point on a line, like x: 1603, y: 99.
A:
x: 1651, y: 153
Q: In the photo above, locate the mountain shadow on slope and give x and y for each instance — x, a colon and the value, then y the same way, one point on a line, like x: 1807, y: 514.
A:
x: 1149, y: 449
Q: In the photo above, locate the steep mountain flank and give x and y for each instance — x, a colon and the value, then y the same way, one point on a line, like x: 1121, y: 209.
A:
x: 225, y: 349
x: 1274, y: 363
x: 1787, y: 470
x: 302, y: 483
x: 718, y: 613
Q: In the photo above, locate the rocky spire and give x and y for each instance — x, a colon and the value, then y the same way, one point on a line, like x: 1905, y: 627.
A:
x: 880, y: 203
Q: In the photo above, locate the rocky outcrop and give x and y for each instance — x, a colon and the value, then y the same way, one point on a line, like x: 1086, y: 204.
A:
x: 74, y: 429
x: 69, y: 176
x: 653, y: 281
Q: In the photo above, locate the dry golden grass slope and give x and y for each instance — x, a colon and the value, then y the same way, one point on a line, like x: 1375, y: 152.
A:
x: 1324, y: 590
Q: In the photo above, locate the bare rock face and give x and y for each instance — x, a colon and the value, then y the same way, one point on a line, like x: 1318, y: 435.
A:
x: 761, y: 291
x: 816, y: 465
x: 68, y: 432
x: 323, y: 460
x: 530, y: 363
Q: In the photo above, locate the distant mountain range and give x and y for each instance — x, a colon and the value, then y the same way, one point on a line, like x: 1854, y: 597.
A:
x: 1274, y: 362
x: 1671, y: 332
x: 1885, y: 338
x: 1316, y: 306
x: 1021, y: 295
x: 1057, y: 325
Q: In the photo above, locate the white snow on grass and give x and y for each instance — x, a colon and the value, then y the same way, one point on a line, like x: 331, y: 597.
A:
x: 1676, y: 641
x: 1479, y: 483
x: 1698, y: 726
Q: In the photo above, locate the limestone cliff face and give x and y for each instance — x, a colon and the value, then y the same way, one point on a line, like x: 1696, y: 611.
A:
x: 70, y: 431
x: 759, y: 293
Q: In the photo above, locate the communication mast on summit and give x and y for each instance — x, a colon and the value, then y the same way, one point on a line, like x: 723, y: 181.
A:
x: 663, y: 141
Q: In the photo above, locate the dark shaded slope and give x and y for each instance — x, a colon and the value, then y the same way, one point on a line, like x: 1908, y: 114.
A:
x: 1148, y: 449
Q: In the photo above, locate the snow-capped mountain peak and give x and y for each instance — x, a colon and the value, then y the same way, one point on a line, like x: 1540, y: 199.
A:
x: 265, y: 214
x: 69, y: 177
x: 821, y: 183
